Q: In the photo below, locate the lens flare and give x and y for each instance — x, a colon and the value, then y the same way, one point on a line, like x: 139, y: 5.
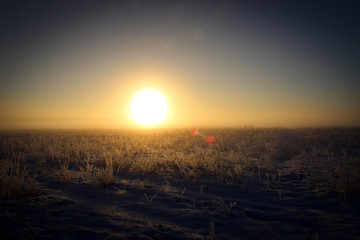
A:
x: 209, y: 139
x: 195, y: 132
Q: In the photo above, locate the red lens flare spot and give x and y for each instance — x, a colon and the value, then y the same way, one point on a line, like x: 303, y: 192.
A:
x: 195, y: 132
x: 210, y: 140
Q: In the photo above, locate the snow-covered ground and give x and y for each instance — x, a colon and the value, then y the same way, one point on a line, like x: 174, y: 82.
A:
x: 250, y: 184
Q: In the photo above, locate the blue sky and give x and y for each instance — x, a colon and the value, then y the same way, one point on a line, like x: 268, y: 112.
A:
x: 219, y: 63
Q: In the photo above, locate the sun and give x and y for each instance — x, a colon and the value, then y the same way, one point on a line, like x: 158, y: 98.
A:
x: 149, y: 107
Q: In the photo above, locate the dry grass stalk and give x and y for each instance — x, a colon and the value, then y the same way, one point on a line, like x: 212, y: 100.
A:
x: 149, y: 200
x: 227, y: 209
x: 212, y: 231
x: 15, y: 180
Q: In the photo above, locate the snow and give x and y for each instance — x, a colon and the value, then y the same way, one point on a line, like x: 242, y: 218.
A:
x: 305, y: 202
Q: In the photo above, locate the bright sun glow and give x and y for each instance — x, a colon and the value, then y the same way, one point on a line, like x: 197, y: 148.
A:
x: 149, y: 107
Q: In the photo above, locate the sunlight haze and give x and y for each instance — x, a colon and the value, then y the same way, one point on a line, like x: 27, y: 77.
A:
x: 217, y: 64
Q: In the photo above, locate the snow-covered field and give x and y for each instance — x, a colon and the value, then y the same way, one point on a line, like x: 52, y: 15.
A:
x: 167, y: 184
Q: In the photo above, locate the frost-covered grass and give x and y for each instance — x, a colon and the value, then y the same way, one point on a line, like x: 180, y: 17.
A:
x: 280, y: 164
x: 326, y: 156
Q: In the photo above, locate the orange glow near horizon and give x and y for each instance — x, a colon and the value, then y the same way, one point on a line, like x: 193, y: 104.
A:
x: 217, y: 64
x: 188, y: 104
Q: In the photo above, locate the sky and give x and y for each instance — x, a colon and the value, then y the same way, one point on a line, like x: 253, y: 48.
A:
x: 79, y: 64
